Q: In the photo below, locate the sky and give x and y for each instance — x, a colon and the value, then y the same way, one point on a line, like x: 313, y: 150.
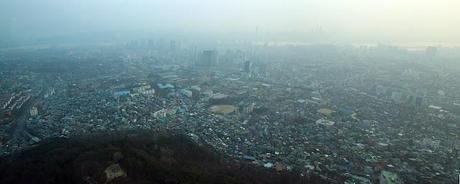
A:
x: 353, y: 21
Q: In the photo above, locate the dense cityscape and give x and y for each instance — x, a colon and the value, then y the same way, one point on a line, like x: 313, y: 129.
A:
x: 346, y: 113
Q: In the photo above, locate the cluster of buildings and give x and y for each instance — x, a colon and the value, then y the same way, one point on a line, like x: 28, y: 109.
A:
x: 350, y: 119
x: 12, y: 103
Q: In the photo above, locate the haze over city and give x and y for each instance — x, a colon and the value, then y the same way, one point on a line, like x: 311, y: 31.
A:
x: 230, y: 91
x: 329, y: 21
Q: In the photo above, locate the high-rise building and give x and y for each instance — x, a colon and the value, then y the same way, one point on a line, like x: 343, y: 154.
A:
x: 418, y: 101
x: 172, y: 45
x: 247, y: 66
x: 208, y: 58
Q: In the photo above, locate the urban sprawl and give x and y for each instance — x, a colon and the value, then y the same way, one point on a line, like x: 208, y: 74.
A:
x: 350, y: 114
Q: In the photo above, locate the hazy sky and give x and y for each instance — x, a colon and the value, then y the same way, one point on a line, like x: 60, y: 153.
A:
x: 329, y: 20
